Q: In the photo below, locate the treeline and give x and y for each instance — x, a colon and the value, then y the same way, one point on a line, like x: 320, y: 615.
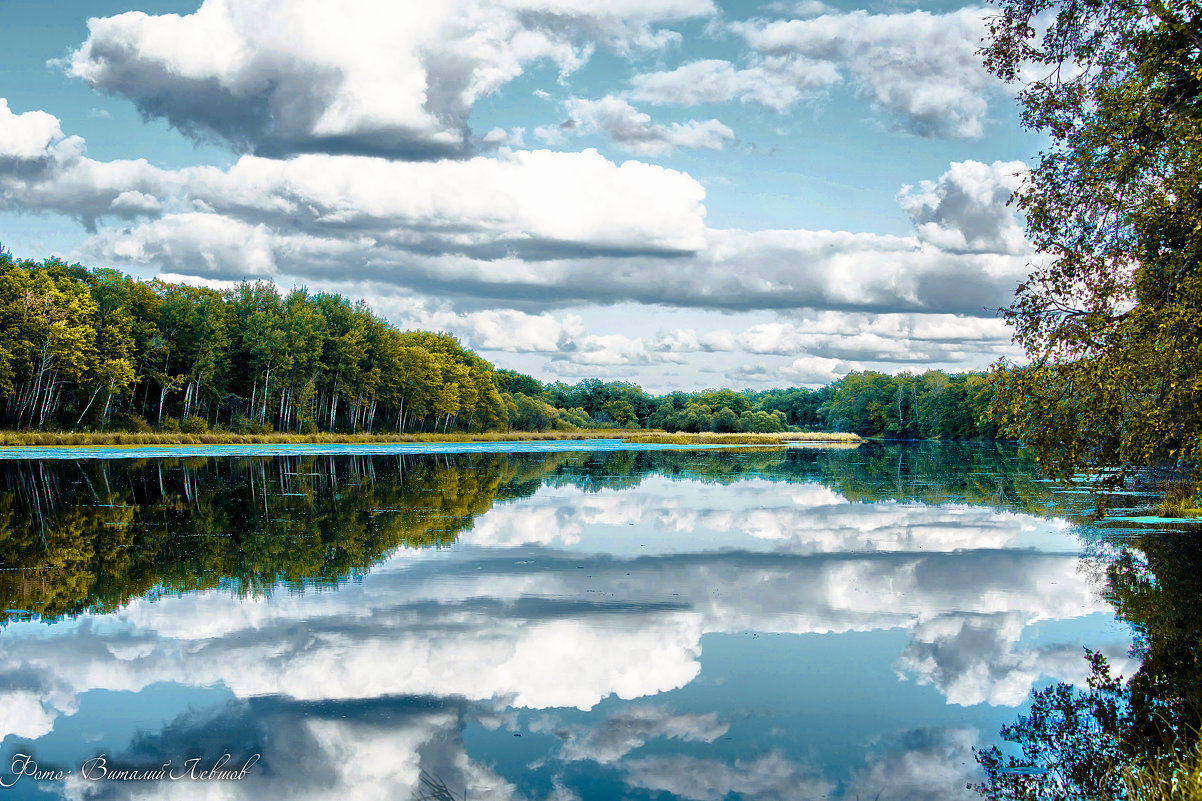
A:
x: 904, y: 406
x: 95, y: 349
x: 80, y: 347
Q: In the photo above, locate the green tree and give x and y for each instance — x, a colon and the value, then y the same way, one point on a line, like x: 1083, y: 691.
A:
x: 1111, y: 316
x: 725, y: 420
x: 621, y: 413
x: 304, y: 332
x: 513, y: 381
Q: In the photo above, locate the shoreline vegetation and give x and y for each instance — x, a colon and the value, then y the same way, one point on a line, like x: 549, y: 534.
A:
x: 94, y: 350
x: 75, y: 439
x: 93, y: 357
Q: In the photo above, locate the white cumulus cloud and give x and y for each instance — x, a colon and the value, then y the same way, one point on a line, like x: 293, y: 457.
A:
x: 967, y: 209
x: 361, y: 76
x: 634, y: 131
x: 921, y: 69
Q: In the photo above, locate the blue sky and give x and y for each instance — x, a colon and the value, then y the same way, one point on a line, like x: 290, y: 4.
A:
x: 682, y: 193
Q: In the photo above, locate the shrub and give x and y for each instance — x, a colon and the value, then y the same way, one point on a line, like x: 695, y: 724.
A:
x: 169, y: 425
x: 195, y: 425
x: 136, y: 423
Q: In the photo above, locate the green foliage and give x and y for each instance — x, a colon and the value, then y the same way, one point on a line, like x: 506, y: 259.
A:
x: 1181, y: 499
x: 1111, y: 317
x: 725, y: 420
x: 85, y: 349
x: 514, y: 382
x: 194, y: 425
x: 137, y: 424
x: 182, y: 525
x: 531, y: 414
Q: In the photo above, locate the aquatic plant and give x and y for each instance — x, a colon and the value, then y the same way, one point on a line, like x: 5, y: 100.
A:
x: 1167, y: 777
x: 1181, y: 499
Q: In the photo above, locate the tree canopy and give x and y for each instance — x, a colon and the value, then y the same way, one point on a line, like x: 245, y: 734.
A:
x: 1111, y: 315
x: 94, y: 348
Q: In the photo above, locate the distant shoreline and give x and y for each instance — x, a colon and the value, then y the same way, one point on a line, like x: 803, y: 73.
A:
x: 109, y: 439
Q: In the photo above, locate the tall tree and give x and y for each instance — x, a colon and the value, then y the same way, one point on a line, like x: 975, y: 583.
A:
x: 1111, y: 316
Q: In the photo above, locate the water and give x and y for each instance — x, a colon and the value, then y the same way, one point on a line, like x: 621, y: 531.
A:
x: 589, y: 622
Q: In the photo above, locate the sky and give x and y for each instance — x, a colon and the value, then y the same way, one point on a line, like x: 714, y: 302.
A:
x: 679, y: 193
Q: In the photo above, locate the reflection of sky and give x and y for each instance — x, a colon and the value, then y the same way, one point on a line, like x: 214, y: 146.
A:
x: 761, y: 638
x: 672, y: 516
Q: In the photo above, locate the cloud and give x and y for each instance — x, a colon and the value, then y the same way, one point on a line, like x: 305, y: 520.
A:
x: 834, y: 344
x: 919, y: 765
x: 770, y: 777
x: 365, y: 76
x: 775, y: 82
x: 568, y: 369
x: 633, y: 130
x: 753, y: 515
x: 920, y: 69
x: 514, y: 331
x: 41, y: 169
x: 804, y: 370
x: 485, y: 624
x: 319, y: 208
x: 33, y: 136
x: 199, y: 245
x: 526, y: 230
x: 631, y: 728
x: 373, y: 751
x: 976, y: 659
x: 24, y: 713
x: 729, y: 270
x: 967, y: 209
x: 528, y: 203
x: 615, y: 350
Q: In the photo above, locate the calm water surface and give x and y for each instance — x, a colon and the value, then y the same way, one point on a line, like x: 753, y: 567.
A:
x: 591, y: 623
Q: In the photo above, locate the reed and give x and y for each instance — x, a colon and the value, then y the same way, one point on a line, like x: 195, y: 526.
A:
x: 707, y: 438
x: 1175, y: 777
x: 109, y: 439
x: 127, y: 438
x: 1181, y: 499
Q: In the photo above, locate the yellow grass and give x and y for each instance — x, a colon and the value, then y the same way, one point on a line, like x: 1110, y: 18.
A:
x: 1177, y: 777
x: 117, y: 438
x: 681, y: 438
x: 125, y: 438
x: 1181, y: 499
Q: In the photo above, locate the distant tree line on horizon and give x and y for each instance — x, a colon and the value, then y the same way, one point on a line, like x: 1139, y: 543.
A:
x: 96, y: 349
x: 931, y: 405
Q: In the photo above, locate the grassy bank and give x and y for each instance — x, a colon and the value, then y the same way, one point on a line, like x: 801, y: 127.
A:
x: 664, y: 438
x: 1181, y: 499
x: 120, y: 438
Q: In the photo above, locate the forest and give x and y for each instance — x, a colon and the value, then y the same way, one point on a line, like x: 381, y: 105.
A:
x: 87, y: 350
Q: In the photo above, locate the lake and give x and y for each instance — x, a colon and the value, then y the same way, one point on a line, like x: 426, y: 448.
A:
x: 547, y: 621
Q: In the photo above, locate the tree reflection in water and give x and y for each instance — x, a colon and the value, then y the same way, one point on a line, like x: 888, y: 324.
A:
x: 1136, y: 738
x: 90, y: 535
